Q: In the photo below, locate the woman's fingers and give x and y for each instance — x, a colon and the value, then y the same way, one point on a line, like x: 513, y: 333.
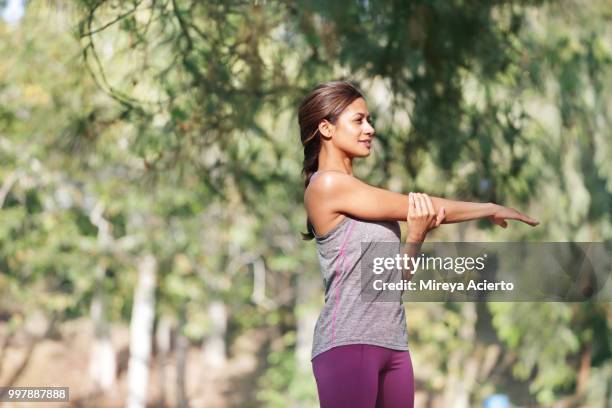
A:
x: 499, y: 221
x: 419, y: 209
x: 529, y: 220
x: 431, y: 214
x: 411, y: 205
x: 430, y: 206
x: 506, y: 213
x: 422, y: 211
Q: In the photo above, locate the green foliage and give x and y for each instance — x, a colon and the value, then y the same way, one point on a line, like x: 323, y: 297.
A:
x: 169, y: 127
x: 285, y: 383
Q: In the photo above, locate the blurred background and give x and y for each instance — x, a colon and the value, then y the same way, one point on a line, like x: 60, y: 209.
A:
x: 151, y: 196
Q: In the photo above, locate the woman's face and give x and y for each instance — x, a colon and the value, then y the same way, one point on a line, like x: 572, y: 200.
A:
x: 353, y: 132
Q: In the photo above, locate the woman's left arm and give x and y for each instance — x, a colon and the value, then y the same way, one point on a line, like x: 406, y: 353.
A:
x: 458, y: 211
x: 345, y: 194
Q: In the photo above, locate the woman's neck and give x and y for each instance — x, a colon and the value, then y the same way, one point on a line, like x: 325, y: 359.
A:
x: 335, y: 160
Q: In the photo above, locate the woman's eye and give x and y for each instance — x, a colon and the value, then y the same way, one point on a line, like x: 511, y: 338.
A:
x: 370, y: 121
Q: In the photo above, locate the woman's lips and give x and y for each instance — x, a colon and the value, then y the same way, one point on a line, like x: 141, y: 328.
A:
x: 368, y: 143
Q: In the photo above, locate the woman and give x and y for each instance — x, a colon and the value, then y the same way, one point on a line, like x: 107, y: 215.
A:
x: 360, y: 351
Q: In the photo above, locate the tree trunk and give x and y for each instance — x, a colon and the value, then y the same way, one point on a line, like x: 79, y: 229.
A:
x: 182, y: 347
x: 306, y: 315
x: 214, y: 345
x: 103, y: 363
x: 462, y: 364
x: 163, y: 340
x: 141, y: 328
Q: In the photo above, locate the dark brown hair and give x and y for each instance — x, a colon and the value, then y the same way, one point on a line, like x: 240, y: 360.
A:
x: 326, y: 101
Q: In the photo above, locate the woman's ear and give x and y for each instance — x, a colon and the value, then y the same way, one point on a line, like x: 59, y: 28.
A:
x: 326, y: 129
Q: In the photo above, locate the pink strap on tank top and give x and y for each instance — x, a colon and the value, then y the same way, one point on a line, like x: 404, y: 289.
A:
x: 341, y: 259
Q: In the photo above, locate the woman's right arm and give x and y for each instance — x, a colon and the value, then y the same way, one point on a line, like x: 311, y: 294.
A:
x: 421, y: 219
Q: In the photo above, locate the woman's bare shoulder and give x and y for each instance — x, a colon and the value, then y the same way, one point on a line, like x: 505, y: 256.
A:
x: 319, y: 196
x: 327, y: 182
x: 333, y: 193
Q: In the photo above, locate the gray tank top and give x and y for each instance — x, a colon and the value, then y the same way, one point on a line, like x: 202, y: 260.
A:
x: 346, y: 318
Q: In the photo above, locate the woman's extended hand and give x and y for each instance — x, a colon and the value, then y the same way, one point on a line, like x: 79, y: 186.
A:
x: 502, y: 214
x: 421, y: 216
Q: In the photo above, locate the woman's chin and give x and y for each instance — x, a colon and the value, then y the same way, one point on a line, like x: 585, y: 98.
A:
x: 360, y: 153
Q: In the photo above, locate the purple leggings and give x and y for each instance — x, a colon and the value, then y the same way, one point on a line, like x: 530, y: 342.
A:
x: 363, y: 375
